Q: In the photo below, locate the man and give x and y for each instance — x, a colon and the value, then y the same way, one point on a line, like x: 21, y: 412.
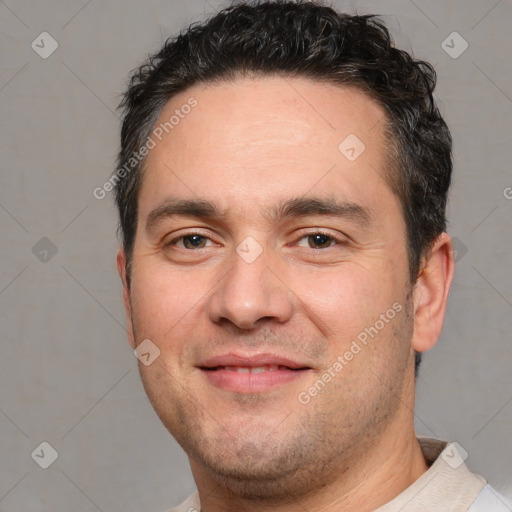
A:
x: 282, y: 186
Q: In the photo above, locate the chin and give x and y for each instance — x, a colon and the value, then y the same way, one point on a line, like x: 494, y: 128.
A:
x: 260, y: 470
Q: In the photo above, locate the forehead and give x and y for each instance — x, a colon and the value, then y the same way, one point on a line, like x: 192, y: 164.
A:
x: 259, y: 139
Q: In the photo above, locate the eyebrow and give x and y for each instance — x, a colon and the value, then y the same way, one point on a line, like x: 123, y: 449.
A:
x: 296, y: 207
x: 183, y: 207
x: 328, y: 206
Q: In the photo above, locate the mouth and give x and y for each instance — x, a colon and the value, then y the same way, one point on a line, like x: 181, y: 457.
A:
x: 254, y: 369
x: 251, y: 374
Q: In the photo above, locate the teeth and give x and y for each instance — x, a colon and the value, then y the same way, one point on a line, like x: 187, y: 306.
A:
x: 252, y: 369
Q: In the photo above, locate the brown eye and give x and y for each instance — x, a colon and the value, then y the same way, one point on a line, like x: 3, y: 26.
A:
x: 190, y: 241
x: 194, y: 241
x: 319, y: 241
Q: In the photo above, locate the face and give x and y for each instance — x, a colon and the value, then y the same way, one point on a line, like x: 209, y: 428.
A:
x: 270, y: 269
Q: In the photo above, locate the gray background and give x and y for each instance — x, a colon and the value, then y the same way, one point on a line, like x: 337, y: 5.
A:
x: 67, y: 373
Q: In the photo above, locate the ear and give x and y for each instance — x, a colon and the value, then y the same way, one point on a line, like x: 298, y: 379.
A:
x: 121, y: 268
x: 430, y: 293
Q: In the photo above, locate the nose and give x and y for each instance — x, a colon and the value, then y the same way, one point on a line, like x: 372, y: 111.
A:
x: 251, y: 292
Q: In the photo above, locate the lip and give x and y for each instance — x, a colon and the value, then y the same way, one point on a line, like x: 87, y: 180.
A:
x: 287, y: 371
x: 251, y: 361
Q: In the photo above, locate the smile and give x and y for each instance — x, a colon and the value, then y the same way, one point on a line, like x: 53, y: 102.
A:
x: 252, y: 378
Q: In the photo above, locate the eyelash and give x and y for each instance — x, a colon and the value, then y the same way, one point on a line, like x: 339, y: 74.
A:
x: 304, y: 235
x: 186, y: 235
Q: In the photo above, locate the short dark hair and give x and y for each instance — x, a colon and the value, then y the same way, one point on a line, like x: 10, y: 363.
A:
x: 303, y: 39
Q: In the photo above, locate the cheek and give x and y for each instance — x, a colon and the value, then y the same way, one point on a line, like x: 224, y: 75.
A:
x: 162, y: 300
x: 349, y: 298
x: 363, y: 317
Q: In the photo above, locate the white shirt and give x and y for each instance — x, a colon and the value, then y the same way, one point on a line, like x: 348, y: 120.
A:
x: 447, y: 486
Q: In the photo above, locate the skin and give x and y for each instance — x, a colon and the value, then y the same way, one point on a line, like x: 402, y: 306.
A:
x: 247, y: 146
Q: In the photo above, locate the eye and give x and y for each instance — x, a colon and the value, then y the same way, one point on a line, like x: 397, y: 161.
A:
x: 318, y: 240
x: 191, y: 241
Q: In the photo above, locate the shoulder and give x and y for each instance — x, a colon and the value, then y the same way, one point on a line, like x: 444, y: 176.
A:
x: 490, y: 499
